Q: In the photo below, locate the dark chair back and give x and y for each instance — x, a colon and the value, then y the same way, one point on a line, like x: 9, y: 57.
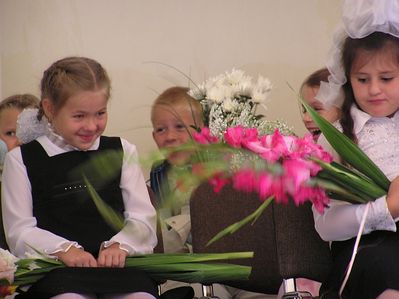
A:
x: 301, y: 251
x: 210, y: 213
x: 283, y: 239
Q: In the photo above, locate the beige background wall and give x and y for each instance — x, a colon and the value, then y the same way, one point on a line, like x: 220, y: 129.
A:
x: 283, y: 40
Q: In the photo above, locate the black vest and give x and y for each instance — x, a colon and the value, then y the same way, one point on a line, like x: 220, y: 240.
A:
x: 61, y: 202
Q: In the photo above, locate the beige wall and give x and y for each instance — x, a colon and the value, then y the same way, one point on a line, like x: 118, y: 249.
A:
x: 283, y: 40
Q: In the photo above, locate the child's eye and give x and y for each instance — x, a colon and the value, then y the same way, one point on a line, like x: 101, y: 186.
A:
x: 362, y: 80
x: 159, y: 130
x: 101, y: 113
x: 78, y: 116
x: 386, y: 79
x: 180, y: 127
x: 10, y: 133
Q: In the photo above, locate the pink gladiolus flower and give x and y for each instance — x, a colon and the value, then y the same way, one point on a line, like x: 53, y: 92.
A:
x: 244, y: 180
x: 319, y: 199
x: 279, y: 144
x: 296, y: 173
x: 265, y: 181
x: 278, y: 190
x: 218, y: 182
x: 250, y: 134
x: 239, y: 136
x: 289, y: 152
x: 303, y: 194
x: 234, y: 136
x: 264, y: 152
x: 205, y: 137
x: 307, y: 147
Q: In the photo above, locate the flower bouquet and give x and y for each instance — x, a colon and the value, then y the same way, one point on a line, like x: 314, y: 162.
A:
x: 281, y: 167
x: 231, y: 99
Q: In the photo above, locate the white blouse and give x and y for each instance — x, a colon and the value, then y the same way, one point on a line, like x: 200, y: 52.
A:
x: 137, y: 237
x: 378, y: 137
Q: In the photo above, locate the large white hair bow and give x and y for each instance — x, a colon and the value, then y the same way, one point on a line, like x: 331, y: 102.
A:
x: 359, y: 19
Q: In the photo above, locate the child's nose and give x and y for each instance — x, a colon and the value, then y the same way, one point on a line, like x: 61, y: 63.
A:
x: 374, y: 87
x: 306, y: 117
x: 91, y: 124
x: 171, y: 135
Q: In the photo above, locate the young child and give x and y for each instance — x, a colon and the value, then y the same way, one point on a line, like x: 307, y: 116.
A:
x: 367, y: 65
x: 309, y: 89
x: 46, y: 205
x: 174, y: 116
x: 10, y: 108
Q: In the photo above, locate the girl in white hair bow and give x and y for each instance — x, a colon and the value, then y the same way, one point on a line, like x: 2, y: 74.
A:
x: 364, y: 63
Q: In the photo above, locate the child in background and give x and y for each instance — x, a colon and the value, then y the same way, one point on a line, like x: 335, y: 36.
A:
x: 46, y: 205
x: 366, y: 64
x: 10, y: 108
x: 309, y: 89
x: 174, y: 116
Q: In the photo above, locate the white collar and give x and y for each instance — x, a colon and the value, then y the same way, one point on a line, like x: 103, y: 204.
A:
x: 60, y: 142
x: 360, y: 118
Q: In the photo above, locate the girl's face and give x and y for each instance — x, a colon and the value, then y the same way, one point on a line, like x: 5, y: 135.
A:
x: 331, y: 115
x: 172, y: 127
x: 375, y: 82
x: 81, y: 120
x: 8, y: 126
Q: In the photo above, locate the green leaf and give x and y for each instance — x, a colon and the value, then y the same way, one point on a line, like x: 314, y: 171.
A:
x: 231, y: 229
x: 114, y: 219
x: 358, y: 184
x: 347, y: 149
x: 175, y: 266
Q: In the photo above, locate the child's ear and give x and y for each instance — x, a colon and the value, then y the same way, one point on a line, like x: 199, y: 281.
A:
x: 48, y: 108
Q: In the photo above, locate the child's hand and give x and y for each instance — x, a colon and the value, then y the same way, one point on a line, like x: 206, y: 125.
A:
x: 393, y: 198
x: 112, y: 256
x: 77, y: 257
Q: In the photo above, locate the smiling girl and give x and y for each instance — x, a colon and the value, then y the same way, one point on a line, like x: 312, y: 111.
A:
x: 46, y: 205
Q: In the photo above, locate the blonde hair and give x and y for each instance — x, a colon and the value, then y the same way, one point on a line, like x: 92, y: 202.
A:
x: 178, y: 96
x: 20, y: 101
x: 70, y: 75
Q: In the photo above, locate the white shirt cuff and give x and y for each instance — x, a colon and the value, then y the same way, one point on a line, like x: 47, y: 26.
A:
x: 378, y: 218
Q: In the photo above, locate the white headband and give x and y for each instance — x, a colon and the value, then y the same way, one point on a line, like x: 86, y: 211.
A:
x: 359, y: 19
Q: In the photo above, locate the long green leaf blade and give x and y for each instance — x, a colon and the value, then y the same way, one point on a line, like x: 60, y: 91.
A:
x: 113, y: 219
x: 231, y: 229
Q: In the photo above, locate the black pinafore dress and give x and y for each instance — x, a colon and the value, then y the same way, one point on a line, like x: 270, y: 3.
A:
x: 376, y: 266
x: 62, y: 205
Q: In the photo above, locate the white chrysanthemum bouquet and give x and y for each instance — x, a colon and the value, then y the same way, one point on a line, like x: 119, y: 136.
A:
x: 231, y: 99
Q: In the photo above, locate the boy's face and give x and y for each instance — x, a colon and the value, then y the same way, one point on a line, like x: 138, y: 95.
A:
x: 8, y: 126
x: 172, y: 127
